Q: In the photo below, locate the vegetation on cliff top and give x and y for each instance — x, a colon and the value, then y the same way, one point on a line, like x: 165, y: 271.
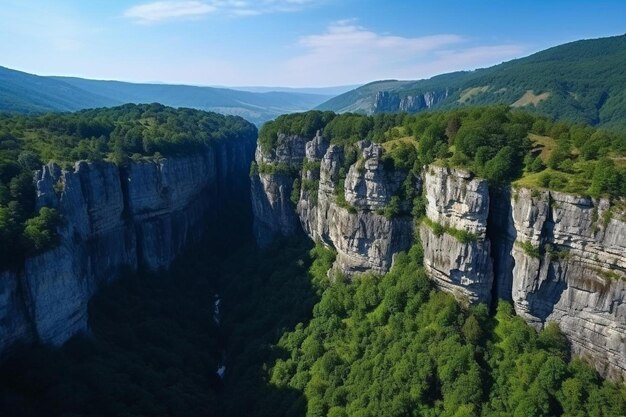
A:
x: 116, y: 134
x: 498, y: 143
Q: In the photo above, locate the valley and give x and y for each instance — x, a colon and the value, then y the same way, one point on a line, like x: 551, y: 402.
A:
x: 451, y: 246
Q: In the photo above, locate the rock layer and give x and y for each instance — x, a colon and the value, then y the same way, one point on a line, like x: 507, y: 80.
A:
x: 389, y: 102
x: 115, y: 219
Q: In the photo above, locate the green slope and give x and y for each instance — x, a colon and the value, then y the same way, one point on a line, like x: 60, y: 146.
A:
x: 21, y: 92
x: 256, y: 107
x: 583, y: 81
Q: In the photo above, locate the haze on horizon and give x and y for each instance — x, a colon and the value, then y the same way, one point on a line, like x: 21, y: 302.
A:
x: 290, y: 43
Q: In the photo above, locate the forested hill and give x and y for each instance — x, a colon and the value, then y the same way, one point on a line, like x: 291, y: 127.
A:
x: 583, y: 81
x: 25, y: 93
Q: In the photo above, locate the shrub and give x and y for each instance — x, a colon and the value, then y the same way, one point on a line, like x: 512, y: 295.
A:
x: 392, y: 209
x: 295, y: 192
x: 529, y: 249
x: 40, y: 231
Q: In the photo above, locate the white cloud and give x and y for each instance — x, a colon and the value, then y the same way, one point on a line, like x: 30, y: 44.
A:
x: 159, y: 11
x: 347, y: 53
x: 346, y: 36
x: 167, y: 10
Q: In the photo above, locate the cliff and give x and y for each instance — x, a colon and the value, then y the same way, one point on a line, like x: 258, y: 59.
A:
x: 570, y: 267
x: 557, y: 257
x: 457, y: 251
x: 339, y: 208
x: 389, y: 102
x: 114, y: 220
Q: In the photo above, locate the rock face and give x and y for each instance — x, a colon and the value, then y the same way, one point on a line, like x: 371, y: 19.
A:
x: 115, y: 219
x: 365, y: 240
x: 570, y: 267
x: 459, y: 263
x: 271, y: 193
x: 387, y: 102
x: 557, y: 257
x: 369, y: 186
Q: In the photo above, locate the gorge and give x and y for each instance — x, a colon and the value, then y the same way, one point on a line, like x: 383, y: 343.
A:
x: 116, y: 219
x: 385, y: 212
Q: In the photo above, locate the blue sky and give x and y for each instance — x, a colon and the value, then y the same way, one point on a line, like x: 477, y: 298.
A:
x: 287, y: 42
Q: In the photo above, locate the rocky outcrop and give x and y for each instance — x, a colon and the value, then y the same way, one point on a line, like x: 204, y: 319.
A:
x: 272, y: 206
x: 365, y: 240
x: 388, y: 102
x: 274, y: 213
x: 369, y: 186
x: 115, y: 219
x: 570, y: 268
x: 456, y: 247
x: 289, y: 150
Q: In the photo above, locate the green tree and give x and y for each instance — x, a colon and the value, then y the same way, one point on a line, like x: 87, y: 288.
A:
x: 40, y: 231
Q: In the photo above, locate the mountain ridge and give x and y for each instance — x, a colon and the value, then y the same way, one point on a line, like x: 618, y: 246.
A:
x: 580, y: 81
x: 22, y: 92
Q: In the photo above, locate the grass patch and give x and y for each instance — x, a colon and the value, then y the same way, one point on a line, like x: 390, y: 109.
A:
x: 340, y: 196
x: 529, y: 98
x: 311, y: 187
x: 389, y: 145
x: 311, y: 165
x: 557, y: 253
x: 610, y: 275
x: 274, y: 169
x: 545, y: 143
x: 529, y: 249
x: 551, y: 179
x: 439, y: 229
x: 470, y: 93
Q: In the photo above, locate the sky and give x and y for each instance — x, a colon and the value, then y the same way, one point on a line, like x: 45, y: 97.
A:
x: 295, y: 43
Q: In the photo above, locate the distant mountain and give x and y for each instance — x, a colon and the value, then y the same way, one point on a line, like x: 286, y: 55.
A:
x: 21, y: 92
x: 331, y: 91
x: 583, y: 81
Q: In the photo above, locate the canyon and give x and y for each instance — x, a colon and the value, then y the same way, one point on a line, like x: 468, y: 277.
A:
x: 557, y: 257
x: 116, y: 220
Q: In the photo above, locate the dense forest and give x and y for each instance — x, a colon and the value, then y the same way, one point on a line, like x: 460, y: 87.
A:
x: 119, y: 134
x: 498, y: 143
x: 580, y: 81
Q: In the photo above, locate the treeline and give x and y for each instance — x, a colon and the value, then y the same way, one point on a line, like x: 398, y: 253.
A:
x: 497, y: 143
x: 115, y: 134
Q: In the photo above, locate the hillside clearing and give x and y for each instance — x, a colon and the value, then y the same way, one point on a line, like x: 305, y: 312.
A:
x: 529, y: 98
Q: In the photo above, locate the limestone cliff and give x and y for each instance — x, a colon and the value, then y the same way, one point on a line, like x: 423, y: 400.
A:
x: 115, y: 219
x: 456, y: 247
x: 570, y: 267
x: 389, y: 102
x: 365, y: 240
x: 558, y: 257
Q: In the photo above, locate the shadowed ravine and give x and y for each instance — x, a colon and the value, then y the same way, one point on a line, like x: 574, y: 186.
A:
x: 155, y: 345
